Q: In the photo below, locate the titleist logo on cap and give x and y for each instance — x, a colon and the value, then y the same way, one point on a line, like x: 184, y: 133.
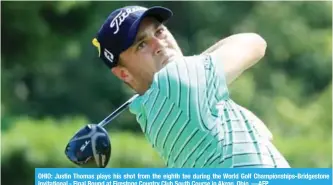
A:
x: 121, y: 16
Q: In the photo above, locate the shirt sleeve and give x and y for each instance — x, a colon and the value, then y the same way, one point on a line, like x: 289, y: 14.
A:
x: 215, y: 73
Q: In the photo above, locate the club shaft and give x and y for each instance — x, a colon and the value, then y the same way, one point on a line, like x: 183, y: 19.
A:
x: 119, y: 110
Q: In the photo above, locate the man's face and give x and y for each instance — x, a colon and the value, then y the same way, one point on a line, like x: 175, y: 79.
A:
x: 152, y: 49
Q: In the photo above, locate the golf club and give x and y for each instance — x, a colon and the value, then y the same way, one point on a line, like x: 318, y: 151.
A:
x: 91, y: 145
x: 117, y: 111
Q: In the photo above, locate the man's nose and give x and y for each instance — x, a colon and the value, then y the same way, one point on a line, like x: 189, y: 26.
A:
x: 158, y: 45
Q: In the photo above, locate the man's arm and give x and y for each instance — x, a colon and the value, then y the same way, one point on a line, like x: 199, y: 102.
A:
x: 237, y: 53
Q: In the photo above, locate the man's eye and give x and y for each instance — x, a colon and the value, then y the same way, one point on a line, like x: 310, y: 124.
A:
x: 160, y: 31
x: 141, y: 45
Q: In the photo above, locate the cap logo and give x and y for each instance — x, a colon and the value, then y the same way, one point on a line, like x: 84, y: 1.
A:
x: 121, y: 16
x: 108, y: 55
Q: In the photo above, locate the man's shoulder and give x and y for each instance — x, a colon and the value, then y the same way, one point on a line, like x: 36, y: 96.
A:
x: 180, y: 75
x: 197, y: 58
x: 181, y: 64
x: 174, y: 72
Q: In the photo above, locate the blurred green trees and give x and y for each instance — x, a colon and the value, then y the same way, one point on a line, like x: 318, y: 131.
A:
x: 50, y: 69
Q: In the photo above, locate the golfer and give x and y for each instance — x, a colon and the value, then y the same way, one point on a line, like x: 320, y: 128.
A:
x: 184, y: 108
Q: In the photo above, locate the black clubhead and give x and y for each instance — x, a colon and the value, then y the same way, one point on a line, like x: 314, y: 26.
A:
x: 90, y: 147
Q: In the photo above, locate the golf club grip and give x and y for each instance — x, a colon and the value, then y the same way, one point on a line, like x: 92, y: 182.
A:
x: 119, y: 110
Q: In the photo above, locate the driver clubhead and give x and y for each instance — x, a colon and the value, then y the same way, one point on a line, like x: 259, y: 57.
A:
x: 90, y: 147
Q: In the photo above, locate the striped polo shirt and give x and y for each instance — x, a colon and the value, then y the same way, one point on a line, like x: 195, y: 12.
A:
x: 188, y: 117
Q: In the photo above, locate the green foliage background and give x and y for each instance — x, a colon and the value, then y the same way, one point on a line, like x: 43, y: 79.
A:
x: 52, y: 82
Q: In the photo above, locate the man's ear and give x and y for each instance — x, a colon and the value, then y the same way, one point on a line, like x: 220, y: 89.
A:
x: 122, y: 73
